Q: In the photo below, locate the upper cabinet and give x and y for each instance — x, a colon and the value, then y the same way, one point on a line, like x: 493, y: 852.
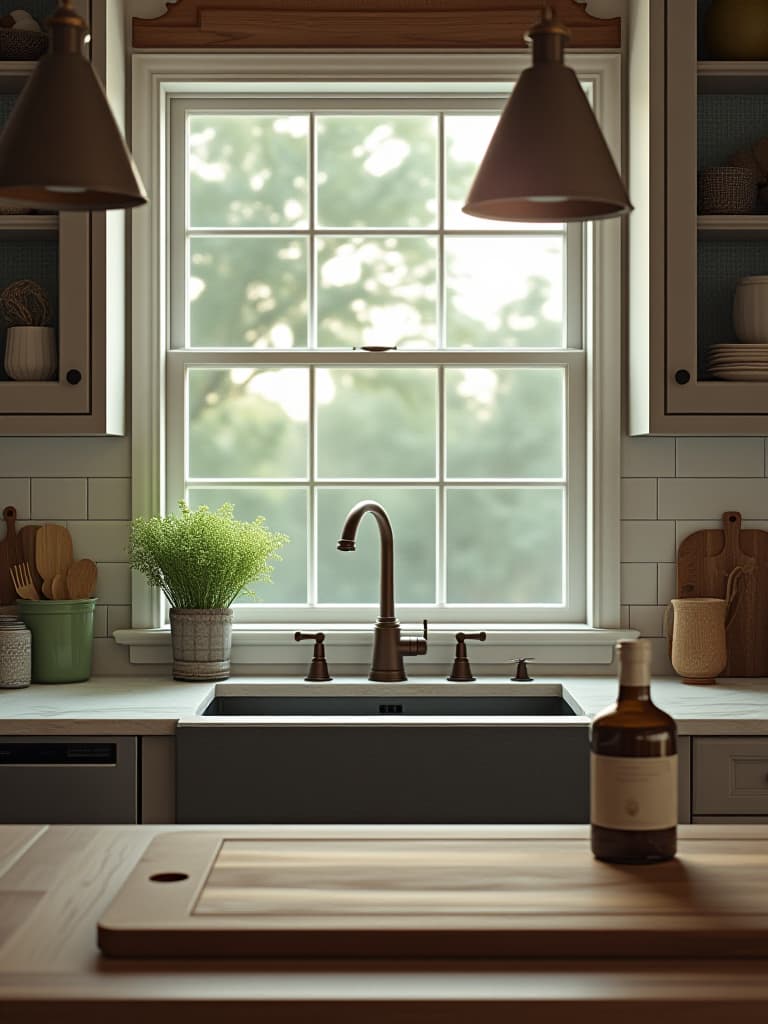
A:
x: 79, y: 262
x: 689, y: 112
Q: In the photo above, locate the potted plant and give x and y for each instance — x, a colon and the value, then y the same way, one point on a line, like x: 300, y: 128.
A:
x: 202, y: 560
x: 30, y: 341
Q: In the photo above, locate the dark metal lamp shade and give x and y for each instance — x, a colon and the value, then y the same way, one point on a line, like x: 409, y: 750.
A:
x: 547, y: 160
x: 61, y: 148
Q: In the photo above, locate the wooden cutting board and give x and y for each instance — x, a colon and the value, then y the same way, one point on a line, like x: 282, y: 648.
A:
x: 704, y: 561
x: 11, y: 552
x: 214, y: 894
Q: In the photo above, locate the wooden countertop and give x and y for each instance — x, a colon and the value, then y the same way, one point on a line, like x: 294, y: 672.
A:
x: 56, y: 882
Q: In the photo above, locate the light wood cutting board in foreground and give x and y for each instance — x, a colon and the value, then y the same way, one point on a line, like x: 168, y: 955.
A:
x: 207, y: 894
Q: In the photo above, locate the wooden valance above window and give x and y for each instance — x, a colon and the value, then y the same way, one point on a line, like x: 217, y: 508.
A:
x: 356, y: 24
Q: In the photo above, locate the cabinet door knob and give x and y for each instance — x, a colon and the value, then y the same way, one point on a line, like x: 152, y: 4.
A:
x: 682, y: 376
x: 74, y: 376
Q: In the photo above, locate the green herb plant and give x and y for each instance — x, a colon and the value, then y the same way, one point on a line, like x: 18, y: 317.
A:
x: 203, y: 559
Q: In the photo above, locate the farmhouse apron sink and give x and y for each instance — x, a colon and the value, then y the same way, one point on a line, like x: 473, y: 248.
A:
x: 396, y: 756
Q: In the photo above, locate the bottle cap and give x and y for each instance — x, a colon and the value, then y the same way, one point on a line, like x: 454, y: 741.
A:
x: 634, y: 650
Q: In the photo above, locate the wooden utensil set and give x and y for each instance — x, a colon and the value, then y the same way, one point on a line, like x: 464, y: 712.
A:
x: 39, y: 560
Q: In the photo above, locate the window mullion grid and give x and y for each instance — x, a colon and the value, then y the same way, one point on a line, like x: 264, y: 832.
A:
x: 312, y: 544
x: 441, y: 551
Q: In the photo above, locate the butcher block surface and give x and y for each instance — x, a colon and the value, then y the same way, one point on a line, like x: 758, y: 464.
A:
x: 460, y: 894
x: 57, y: 882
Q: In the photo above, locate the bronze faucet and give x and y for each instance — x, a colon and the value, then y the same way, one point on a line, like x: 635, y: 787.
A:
x: 388, y: 646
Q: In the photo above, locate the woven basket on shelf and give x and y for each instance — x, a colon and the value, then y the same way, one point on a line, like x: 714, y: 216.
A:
x: 727, y: 190
x: 19, y: 44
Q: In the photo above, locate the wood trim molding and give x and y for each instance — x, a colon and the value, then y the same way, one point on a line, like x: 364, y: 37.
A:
x: 357, y: 24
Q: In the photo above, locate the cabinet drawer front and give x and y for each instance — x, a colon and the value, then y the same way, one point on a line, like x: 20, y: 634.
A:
x: 730, y: 776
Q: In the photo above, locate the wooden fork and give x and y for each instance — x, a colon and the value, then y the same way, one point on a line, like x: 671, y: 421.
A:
x: 21, y: 577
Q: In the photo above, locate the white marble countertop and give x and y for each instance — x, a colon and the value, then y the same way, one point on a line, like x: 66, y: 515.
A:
x: 132, y: 705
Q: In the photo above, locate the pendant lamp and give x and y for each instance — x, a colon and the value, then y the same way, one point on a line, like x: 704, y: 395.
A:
x: 61, y: 148
x: 547, y: 160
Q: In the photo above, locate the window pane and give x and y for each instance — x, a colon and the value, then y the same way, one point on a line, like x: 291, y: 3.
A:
x: 352, y: 577
x: 285, y: 511
x: 376, y: 423
x: 248, y: 170
x: 376, y: 291
x: 466, y: 140
x: 505, y: 292
x: 504, y: 422
x: 376, y: 171
x: 505, y: 545
x: 247, y: 292
x: 247, y: 422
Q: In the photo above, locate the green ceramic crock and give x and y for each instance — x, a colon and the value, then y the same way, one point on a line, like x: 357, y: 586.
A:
x: 62, y: 639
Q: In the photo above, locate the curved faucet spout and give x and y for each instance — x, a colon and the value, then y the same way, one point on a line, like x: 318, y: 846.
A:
x: 347, y: 543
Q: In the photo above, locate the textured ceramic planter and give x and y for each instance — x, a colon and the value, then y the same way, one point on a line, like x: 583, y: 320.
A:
x: 30, y: 353
x: 202, y: 640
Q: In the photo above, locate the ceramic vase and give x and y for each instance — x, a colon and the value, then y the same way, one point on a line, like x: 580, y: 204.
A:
x: 30, y: 353
x: 737, y: 29
x: 695, y: 627
x: 201, y: 639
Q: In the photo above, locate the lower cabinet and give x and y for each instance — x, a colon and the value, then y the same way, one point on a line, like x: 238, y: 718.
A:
x: 729, y: 780
x: 69, y: 780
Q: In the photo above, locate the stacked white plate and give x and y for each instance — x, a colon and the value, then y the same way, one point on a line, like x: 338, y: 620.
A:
x: 739, y: 361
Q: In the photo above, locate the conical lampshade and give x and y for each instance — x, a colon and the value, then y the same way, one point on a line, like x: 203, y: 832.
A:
x: 547, y: 160
x: 61, y: 148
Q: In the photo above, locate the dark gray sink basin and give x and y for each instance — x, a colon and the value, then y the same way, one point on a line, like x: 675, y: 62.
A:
x: 399, y: 756
x: 371, y: 705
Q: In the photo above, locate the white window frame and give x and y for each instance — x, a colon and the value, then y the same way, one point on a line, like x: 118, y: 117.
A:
x: 160, y: 77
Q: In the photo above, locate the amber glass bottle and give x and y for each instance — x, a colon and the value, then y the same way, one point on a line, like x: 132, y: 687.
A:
x: 633, y: 791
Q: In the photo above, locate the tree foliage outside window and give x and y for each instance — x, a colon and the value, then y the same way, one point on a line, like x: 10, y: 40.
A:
x: 311, y: 233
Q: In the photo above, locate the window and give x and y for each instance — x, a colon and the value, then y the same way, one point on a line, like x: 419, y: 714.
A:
x: 333, y: 328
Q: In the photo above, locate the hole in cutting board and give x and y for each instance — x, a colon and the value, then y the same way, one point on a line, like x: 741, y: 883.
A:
x: 169, y: 876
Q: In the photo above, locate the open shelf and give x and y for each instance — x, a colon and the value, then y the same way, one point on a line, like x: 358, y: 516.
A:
x: 28, y: 225
x: 733, y: 76
x: 730, y: 227
x: 14, y: 74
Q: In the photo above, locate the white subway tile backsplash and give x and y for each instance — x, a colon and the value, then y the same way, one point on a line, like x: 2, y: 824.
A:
x: 114, y: 583
x: 649, y: 619
x: 109, y: 498
x: 707, y: 499
x: 101, y: 541
x: 648, y: 456
x: 638, y: 583
x: 16, y: 492
x: 647, y: 541
x: 59, y: 498
x: 65, y: 456
x: 639, y: 498
x: 720, y: 456
x: 118, y: 617
x: 100, y: 620
x: 667, y: 582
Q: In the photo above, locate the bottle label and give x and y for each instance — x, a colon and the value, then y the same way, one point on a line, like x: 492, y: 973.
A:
x: 636, y: 794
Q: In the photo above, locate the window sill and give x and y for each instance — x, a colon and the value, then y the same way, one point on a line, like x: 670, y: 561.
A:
x: 349, y: 648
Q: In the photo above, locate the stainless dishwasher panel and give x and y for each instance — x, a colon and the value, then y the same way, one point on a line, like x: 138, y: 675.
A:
x: 68, y: 780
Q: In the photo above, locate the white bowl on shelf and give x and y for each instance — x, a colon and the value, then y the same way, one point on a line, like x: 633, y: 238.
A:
x: 750, y: 309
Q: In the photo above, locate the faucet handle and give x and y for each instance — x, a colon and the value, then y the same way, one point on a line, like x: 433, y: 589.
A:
x: 521, y: 675
x: 318, y: 670
x: 462, y: 670
x: 412, y: 645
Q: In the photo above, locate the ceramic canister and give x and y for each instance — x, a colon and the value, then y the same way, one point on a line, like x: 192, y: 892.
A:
x: 750, y: 310
x: 15, y: 653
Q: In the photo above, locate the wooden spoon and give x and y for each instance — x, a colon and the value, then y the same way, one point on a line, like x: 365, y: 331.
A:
x: 53, y: 553
x: 59, y: 587
x: 81, y: 578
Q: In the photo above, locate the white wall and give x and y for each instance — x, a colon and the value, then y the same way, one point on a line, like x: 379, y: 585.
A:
x: 670, y: 487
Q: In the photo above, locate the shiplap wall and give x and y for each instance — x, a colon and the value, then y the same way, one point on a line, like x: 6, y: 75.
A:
x: 670, y: 487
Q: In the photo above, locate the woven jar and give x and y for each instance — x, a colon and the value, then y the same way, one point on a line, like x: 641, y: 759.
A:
x: 202, y: 640
x: 697, y: 641
x: 730, y: 190
x: 15, y: 657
